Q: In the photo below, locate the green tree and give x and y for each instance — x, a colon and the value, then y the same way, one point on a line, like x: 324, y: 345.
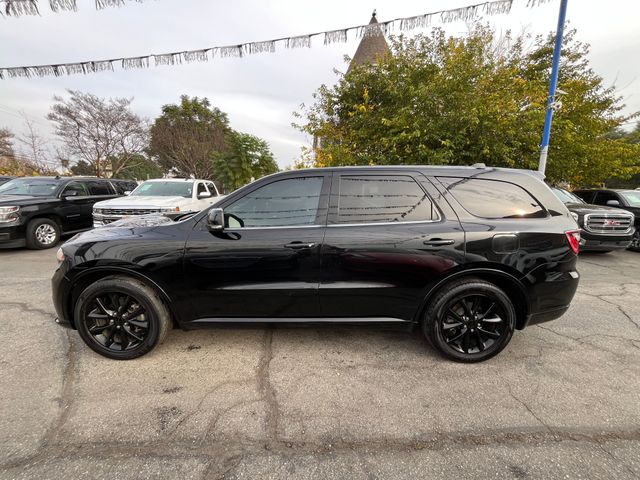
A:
x: 246, y: 158
x: 139, y: 167
x: 185, y: 137
x: 82, y: 168
x: 447, y: 100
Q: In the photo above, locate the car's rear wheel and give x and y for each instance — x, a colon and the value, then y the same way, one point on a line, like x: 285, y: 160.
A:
x: 42, y: 233
x: 121, y: 318
x: 470, y: 320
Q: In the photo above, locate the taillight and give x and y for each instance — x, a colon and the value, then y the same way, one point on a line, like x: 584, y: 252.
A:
x: 573, y: 236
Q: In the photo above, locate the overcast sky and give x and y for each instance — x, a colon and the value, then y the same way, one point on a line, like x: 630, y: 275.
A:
x: 259, y: 92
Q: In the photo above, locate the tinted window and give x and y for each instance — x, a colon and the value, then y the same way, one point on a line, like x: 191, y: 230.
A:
x: 586, y: 195
x: 122, y: 187
x: 212, y: 188
x: 77, y: 187
x: 99, y: 188
x: 164, y: 189
x: 292, y: 201
x: 566, y: 197
x: 493, y: 198
x: 30, y: 186
x: 389, y: 198
x: 603, y: 197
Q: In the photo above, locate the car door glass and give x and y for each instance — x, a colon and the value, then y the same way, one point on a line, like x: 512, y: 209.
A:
x: 603, y: 197
x: 201, y: 189
x: 77, y: 187
x: 212, y: 189
x: 289, y: 202
x: 382, y: 199
x: 99, y: 188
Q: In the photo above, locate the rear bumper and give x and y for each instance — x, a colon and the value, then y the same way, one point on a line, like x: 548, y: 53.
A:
x: 551, y: 290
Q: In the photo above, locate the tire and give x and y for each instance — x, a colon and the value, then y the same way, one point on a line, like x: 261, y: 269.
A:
x: 450, y: 326
x: 121, y: 318
x: 42, y: 233
x: 635, y: 243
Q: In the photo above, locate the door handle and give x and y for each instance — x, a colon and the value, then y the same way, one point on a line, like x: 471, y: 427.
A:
x: 299, y: 245
x: 437, y: 242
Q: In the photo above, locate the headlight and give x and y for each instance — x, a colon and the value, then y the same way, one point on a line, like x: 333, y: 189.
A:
x: 170, y: 210
x: 60, y: 255
x: 97, y: 210
x: 9, y: 214
x: 575, y: 216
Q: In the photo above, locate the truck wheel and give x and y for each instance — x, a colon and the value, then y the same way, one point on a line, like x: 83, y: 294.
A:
x: 121, y: 318
x: 470, y: 320
x: 42, y: 233
x: 635, y: 243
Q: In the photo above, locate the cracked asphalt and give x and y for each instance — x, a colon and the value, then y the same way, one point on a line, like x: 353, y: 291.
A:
x: 562, y: 401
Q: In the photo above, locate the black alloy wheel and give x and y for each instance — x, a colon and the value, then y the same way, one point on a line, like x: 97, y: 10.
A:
x: 121, y: 318
x: 470, y: 321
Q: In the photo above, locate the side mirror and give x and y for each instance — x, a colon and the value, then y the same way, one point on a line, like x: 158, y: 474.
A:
x: 613, y: 203
x: 127, y: 192
x: 215, y: 220
x: 70, y: 193
x: 203, y: 195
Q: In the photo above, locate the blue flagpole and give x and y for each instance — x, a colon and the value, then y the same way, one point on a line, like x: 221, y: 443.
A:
x: 546, y: 134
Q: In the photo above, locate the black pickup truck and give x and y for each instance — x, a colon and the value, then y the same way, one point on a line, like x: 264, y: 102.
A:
x: 603, y: 228
x: 37, y: 211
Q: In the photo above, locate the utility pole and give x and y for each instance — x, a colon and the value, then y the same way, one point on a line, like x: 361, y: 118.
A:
x: 551, y: 105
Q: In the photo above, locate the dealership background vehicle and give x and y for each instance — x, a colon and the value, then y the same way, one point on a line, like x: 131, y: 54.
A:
x: 467, y: 254
x: 603, y: 228
x: 36, y: 211
x: 626, y: 199
x: 171, y: 196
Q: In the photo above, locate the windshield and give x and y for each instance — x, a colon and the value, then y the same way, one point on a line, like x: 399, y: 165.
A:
x: 39, y: 187
x: 164, y: 189
x: 632, y: 197
x: 566, y: 197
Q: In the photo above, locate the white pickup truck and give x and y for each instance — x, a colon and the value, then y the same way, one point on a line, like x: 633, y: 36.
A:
x: 163, y: 195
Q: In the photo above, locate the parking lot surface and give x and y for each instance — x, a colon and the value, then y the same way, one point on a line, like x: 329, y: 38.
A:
x: 562, y: 401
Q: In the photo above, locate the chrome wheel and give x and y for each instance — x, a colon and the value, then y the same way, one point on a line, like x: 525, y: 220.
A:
x: 472, y: 324
x: 116, y: 321
x: 46, y: 234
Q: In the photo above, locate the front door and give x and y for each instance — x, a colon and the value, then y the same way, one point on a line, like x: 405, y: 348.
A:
x: 266, y: 262
x: 386, y: 242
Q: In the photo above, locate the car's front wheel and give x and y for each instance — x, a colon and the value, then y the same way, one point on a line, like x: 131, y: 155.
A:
x: 121, y: 318
x: 635, y: 242
x: 470, y: 320
x: 42, y: 233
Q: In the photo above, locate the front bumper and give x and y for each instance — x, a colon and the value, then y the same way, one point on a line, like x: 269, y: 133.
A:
x: 593, y: 242
x: 12, y: 236
x: 59, y: 292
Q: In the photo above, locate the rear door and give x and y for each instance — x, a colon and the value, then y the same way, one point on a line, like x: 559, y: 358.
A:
x: 74, y: 205
x: 386, y: 241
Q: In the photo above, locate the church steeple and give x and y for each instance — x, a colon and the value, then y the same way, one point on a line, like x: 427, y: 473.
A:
x: 372, y: 46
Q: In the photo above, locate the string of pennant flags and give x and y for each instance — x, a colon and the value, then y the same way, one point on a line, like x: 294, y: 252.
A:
x: 402, y: 24
x: 17, y: 8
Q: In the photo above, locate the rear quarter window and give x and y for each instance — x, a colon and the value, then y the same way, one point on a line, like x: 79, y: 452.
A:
x: 493, y: 198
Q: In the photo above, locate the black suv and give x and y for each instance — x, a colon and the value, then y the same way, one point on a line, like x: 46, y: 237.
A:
x: 468, y: 254
x: 626, y: 199
x: 604, y: 229
x: 36, y: 211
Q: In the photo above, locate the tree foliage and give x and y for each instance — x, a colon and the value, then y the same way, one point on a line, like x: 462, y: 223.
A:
x: 6, y: 142
x: 194, y: 138
x: 105, y: 134
x: 447, y: 100
x: 246, y: 158
x: 185, y: 137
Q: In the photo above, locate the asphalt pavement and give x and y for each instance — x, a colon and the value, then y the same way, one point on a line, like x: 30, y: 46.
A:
x: 561, y: 401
